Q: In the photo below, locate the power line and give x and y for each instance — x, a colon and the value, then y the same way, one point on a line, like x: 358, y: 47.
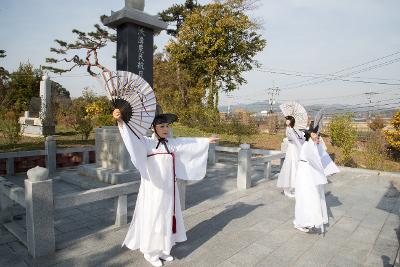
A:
x: 328, y: 79
x: 313, y: 74
x: 387, y: 106
x: 352, y: 67
x: 291, y: 85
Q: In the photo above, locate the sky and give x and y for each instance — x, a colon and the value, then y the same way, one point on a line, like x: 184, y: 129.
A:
x: 305, y: 39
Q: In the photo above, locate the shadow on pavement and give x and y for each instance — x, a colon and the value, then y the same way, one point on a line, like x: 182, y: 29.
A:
x: 205, y: 230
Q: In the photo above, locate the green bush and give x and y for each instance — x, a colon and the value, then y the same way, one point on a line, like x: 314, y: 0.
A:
x: 377, y: 123
x: 77, y: 118
x: 236, y: 127
x: 375, y: 150
x: 272, y: 123
x: 344, y: 136
x: 104, y: 120
x: 10, y: 128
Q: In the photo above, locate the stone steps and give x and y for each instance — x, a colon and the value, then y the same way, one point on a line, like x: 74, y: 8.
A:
x: 84, y: 182
x: 108, y: 175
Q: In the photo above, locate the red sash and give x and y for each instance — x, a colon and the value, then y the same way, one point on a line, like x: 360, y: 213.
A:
x: 173, y: 177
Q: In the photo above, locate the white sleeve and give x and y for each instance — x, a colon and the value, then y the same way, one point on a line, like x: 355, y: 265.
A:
x: 191, y: 156
x: 314, y: 160
x: 291, y: 136
x: 327, y: 163
x: 136, y: 148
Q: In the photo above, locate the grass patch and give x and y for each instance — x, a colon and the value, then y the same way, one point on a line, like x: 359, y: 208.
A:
x: 65, y: 138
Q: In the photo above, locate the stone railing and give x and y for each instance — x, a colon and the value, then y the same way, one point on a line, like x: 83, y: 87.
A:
x: 50, y: 152
x: 247, y: 156
x: 40, y: 204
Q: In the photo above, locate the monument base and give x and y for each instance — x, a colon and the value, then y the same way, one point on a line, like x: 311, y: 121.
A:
x: 108, y: 175
x: 33, y: 127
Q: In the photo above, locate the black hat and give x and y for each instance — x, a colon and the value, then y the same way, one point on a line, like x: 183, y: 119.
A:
x: 311, y: 129
x: 163, y: 117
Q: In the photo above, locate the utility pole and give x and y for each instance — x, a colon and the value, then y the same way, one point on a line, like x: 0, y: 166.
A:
x: 230, y: 101
x: 369, y: 97
x: 273, y: 93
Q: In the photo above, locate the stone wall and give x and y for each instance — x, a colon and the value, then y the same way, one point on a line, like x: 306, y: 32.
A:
x: 23, y: 164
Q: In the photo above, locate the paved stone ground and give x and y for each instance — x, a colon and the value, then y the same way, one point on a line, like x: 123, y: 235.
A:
x: 226, y: 227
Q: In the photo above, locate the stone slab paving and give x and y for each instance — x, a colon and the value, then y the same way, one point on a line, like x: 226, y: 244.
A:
x: 226, y: 227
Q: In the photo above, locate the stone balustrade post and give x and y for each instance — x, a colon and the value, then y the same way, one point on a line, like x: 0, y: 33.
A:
x: 51, y: 154
x: 85, y: 157
x: 39, y: 212
x: 267, y: 170
x: 212, y: 157
x: 121, y: 216
x: 244, y: 167
x: 10, y: 171
x: 5, y: 206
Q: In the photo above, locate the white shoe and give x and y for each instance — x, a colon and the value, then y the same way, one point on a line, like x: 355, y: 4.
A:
x: 288, y: 194
x: 165, y: 257
x: 303, y: 229
x: 153, y: 261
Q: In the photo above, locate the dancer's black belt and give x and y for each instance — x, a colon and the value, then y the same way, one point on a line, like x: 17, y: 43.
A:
x: 303, y: 160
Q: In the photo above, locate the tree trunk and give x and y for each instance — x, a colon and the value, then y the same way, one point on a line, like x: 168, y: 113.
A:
x: 181, y: 89
x: 210, y: 102
x: 216, y: 101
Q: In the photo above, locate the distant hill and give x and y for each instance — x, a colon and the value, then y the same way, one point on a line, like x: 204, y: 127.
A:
x: 359, y: 111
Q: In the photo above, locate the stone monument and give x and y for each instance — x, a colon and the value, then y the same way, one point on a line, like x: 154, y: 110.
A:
x: 135, y: 34
x: 43, y: 125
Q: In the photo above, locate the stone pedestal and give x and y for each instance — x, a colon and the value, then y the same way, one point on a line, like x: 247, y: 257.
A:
x: 110, y: 149
x: 39, y: 212
x: 113, y: 163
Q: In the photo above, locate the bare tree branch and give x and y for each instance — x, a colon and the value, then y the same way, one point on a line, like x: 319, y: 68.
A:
x: 90, y: 41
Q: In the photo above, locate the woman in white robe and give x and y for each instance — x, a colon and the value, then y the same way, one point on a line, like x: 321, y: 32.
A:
x: 310, y: 209
x: 157, y: 222
x: 287, y: 175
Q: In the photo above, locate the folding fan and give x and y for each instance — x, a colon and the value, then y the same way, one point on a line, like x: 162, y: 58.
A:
x: 134, y: 97
x: 318, y: 119
x: 297, y: 111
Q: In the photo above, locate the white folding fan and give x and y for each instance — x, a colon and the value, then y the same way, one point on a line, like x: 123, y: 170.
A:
x: 297, y: 111
x: 134, y: 97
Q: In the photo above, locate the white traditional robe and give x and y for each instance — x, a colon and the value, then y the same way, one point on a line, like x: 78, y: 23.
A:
x: 287, y: 175
x: 310, y: 210
x: 151, y: 226
x: 330, y: 167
